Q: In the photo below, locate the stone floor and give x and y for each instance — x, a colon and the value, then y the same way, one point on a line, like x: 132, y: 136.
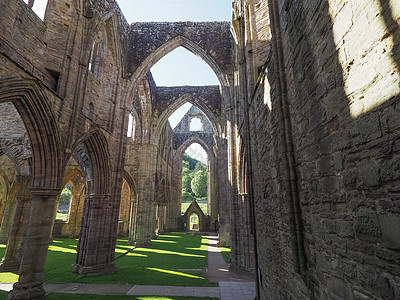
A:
x: 232, y: 286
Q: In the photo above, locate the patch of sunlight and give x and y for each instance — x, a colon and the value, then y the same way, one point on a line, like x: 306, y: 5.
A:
x: 164, y: 241
x: 174, y: 273
x: 124, y: 247
x: 153, y: 298
x: 8, y: 277
x: 197, y: 249
x: 118, y: 250
x: 61, y: 249
x: 214, y: 250
x: 168, y: 252
x: 171, y: 236
x: 122, y: 240
x: 371, y: 76
x: 3, y: 245
x: 136, y: 254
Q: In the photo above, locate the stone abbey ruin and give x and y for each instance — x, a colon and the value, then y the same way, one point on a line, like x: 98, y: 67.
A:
x: 302, y: 136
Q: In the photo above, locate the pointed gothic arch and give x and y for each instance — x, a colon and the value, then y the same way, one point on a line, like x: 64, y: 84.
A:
x: 193, y: 47
x: 162, y: 119
x: 169, y: 46
x: 93, y: 156
x: 40, y: 123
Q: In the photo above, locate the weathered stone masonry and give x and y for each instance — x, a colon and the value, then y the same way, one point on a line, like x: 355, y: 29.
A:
x: 302, y: 137
x: 322, y: 83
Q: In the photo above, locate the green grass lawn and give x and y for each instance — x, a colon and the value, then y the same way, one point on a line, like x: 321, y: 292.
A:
x: 184, y: 207
x: 226, y: 254
x: 60, y: 296
x: 169, y: 261
x: 61, y: 216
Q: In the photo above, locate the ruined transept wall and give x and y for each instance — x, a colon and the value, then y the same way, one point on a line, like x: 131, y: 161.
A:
x: 323, y: 134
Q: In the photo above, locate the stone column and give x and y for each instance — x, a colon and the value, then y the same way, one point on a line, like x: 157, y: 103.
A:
x: 8, y: 217
x: 132, y: 216
x: 161, y: 218
x: 30, y: 283
x: 224, y: 203
x: 212, y: 193
x: 174, y: 206
x: 76, y: 207
x: 144, y: 227
x: 93, y: 255
x: 155, y: 221
x: 12, y: 256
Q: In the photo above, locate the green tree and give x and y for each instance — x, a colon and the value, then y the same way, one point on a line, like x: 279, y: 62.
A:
x: 200, y: 166
x: 65, y: 196
x: 199, y: 184
x: 192, y: 162
x: 186, y: 182
x: 187, y: 197
x: 185, y: 168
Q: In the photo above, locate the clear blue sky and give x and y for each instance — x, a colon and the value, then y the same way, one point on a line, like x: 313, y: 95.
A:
x: 180, y: 67
x: 176, y: 10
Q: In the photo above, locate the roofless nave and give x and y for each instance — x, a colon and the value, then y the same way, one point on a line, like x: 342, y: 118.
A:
x: 302, y: 139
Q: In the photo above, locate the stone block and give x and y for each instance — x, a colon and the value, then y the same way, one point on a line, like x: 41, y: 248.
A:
x: 366, y: 225
x: 339, y: 289
x: 368, y: 174
x: 390, y: 227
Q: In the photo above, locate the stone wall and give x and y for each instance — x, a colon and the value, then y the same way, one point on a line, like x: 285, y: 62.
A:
x: 324, y: 148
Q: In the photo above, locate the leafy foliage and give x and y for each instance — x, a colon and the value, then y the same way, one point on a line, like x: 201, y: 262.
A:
x: 186, y: 183
x: 191, y: 161
x: 65, y: 196
x: 199, y: 184
x: 200, y: 167
x: 190, y: 168
x: 187, y: 197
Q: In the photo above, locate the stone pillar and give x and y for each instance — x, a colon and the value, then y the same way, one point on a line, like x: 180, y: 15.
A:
x: 93, y: 255
x: 174, y: 205
x: 13, y: 253
x: 212, y: 193
x: 132, y: 216
x: 155, y: 221
x: 8, y: 217
x: 144, y: 227
x: 30, y: 283
x: 76, y: 207
x: 161, y: 218
x: 224, y: 203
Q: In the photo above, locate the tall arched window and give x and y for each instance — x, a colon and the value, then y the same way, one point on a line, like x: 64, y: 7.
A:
x: 38, y: 6
x: 131, y: 126
x: 196, y: 125
x: 64, y: 202
x: 95, y: 57
x: 91, y: 111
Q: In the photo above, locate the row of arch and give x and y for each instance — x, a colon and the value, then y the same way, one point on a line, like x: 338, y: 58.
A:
x: 52, y: 147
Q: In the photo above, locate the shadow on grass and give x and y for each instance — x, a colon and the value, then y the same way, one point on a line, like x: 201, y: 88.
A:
x: 176, y: 259
x: 60, y: 296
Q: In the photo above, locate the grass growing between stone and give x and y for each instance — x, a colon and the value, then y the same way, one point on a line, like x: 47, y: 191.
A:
x: 60, y: 296
x: 176, y: 259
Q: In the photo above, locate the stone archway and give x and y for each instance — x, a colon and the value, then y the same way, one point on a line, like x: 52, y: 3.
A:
x: 38, y: 118
x: 70, y: 227
x: 92, y: 155
x: 203, y: 220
